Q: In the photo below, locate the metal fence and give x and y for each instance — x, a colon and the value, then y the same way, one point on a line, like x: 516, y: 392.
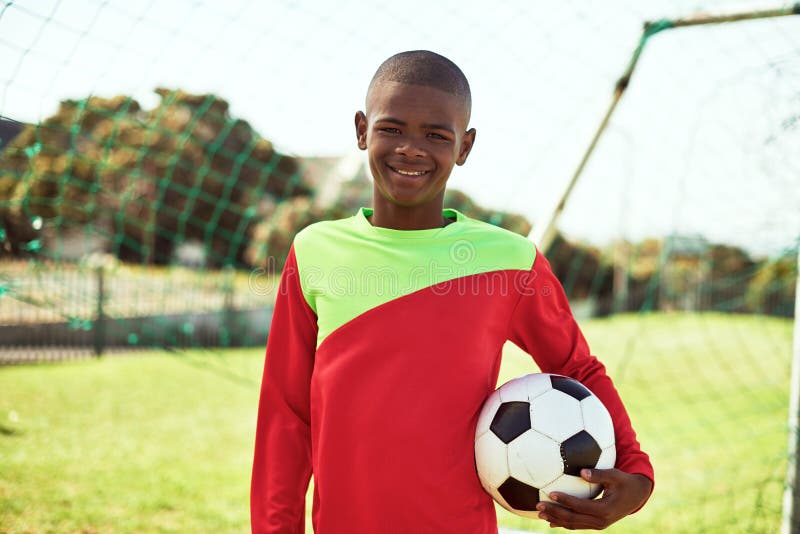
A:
x: 55, y: 311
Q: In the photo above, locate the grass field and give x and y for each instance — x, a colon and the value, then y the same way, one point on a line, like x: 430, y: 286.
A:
x: 163, y: 442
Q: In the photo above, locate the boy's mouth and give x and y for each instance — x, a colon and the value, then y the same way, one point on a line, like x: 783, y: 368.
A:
x: 408, y: 172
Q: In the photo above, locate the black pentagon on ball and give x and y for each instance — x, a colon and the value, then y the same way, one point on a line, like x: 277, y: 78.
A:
x: 578, y: 452
x: 519, y: 495
x: 571, y: 387
x: 510, y: 420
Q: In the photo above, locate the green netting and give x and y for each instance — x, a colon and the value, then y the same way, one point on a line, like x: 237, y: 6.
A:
x: 149, y: 213
x: 183, y: 185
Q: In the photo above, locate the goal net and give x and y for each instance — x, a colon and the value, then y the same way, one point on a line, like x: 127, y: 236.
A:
x: 156, y: 161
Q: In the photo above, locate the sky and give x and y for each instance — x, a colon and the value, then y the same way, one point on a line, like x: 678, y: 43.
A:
x: 704, y: 141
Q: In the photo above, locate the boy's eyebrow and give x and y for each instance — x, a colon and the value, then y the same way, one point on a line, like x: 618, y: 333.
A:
x: 392, y: 120
x: 439, y: 127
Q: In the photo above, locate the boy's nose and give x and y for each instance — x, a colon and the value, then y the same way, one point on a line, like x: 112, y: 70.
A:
x: 410, y: 149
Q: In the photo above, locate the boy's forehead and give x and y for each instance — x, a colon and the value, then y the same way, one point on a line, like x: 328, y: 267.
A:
x: 388, y: 96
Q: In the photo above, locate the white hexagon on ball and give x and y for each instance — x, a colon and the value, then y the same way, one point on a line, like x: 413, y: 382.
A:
x: 534, y: 459
x: 538, y: 384
x: 514, y: 390
x: 556, y: 415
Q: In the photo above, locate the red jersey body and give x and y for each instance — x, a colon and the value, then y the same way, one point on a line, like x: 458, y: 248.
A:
x: 384, y: 345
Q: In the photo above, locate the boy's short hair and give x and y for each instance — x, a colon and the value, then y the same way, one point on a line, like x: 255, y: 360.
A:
x: 423, y: 67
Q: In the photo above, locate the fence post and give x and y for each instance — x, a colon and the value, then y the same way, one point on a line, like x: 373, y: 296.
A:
x: 228, y: 274
x: 100, y: 318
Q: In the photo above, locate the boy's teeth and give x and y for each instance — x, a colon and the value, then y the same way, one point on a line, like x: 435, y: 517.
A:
x: 410, y: 173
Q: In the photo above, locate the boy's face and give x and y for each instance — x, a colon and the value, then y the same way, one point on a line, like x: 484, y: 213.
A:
x: 413, y: 135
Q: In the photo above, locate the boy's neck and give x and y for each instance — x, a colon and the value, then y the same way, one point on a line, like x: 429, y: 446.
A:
x: 386, y: 215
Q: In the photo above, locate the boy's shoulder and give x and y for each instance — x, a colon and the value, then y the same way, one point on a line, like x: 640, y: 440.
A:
x: 513, y: 247
x: 493, y: 232
x: 322, y: 240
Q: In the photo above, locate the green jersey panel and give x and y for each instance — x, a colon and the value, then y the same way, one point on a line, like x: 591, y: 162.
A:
x: 348, y: 266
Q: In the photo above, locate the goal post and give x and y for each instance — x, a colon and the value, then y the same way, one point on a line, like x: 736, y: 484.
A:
x: 544, y: 233
x: 791, y: 496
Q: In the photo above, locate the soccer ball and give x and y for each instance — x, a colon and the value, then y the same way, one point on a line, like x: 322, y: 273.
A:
x: 534, y: 435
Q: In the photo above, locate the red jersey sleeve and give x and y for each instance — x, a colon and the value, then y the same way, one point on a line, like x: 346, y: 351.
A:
x: 282, y: 458
x: 543, y: 326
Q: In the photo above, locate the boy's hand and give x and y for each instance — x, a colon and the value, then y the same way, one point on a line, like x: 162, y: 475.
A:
x: 622, y: 494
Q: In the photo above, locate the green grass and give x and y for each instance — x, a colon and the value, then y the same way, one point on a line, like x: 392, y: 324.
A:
x: 163, y: 442
x: 148, y: 443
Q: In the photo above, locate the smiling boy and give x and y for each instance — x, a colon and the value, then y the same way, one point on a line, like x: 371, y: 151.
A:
x: 414, y: 136
x: 387, y: 336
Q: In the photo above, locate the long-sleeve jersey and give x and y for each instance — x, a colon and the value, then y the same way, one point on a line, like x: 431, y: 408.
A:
x: 383, y: 346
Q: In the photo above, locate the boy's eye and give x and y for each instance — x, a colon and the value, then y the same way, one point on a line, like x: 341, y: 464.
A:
x: 390, y: 130
x: 437, y: 136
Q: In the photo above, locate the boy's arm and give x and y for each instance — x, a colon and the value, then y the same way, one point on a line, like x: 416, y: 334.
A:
x: 542, y: 324
x: 282, y: 459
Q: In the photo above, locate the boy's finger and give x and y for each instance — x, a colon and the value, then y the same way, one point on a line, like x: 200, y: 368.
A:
x: 600, y: 476
x: 564, y: 517
x: 585, y: 506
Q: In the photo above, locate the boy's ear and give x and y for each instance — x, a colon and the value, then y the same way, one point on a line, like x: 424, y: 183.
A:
x: 361, y: 130
x: 466, y: 146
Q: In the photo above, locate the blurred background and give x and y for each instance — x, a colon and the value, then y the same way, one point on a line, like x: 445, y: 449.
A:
x: 157, y: 158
